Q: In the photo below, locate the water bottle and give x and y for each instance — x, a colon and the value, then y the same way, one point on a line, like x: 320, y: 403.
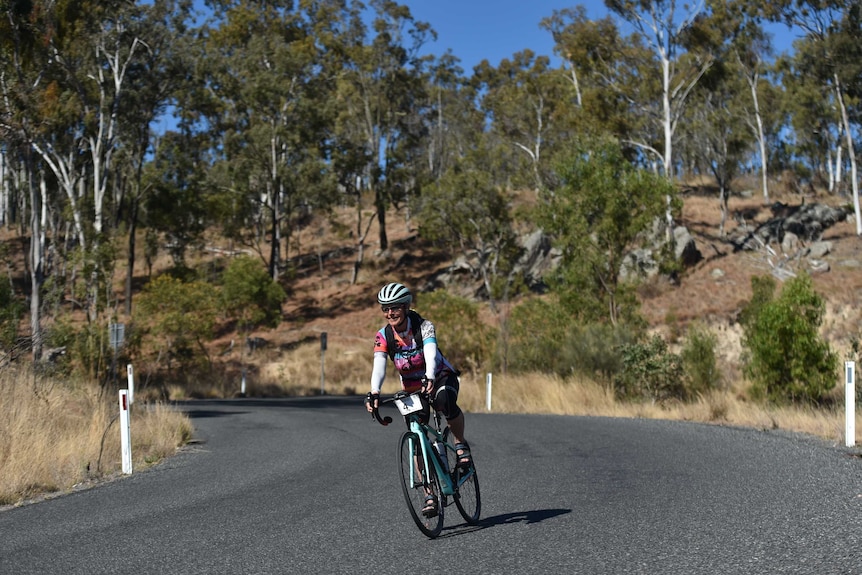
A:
x: 440, y: 447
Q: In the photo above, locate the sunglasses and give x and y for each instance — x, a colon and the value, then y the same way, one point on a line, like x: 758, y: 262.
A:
x: 388, y: 308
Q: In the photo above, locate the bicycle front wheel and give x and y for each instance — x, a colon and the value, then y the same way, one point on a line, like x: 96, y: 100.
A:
x: 418, y: 484
x: 467, y: 497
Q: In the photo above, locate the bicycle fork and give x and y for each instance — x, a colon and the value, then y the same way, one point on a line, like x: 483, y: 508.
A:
x: 430, y: 464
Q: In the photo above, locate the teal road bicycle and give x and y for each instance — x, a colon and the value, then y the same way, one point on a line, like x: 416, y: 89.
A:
x: 430, y: 474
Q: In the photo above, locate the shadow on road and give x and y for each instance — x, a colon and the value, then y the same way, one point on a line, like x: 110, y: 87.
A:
x: 525, y: 516
x: 517, y: 517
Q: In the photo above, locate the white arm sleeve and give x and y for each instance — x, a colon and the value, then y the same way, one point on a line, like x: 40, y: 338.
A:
x: 430, y: 350
x: 378, y: 371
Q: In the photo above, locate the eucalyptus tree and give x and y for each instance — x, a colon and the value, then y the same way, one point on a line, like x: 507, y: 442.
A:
x: 833, y: 44
x: 590, y: 50
x: 158, y: 75
x: 467, y: 212
x: 176, y: 202
x: 671, y: 31
x: 651, y: 72
x: 714, y: 131
x: 750, y: 48
x: 814, y: 138
x: 18, y: 171
x: 602, y: 207
x: 89, y: 56
x: 454, y: 123
x: 525, y: 103
x: 382, y: 90
x: 75, y: 116
x: 261, y: 97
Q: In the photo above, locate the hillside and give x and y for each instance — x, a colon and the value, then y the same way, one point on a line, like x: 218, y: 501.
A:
x: 713, y: 291
x: 322, y: 299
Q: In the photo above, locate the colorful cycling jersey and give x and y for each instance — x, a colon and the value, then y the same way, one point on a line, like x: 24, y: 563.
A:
x: 410, y: 361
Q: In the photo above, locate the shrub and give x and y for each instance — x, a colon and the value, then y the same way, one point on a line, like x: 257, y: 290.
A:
x: 462, y: 337
x: 786, y: 359
x: 650, y: 371
x: 250, y: 295
x: 593, y: 349
x: 533, y: 337
x: 698, y: 360
x: 178, y: 317
x: 543, y: 338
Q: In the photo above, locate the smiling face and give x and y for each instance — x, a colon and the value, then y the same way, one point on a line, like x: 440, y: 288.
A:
x: 396, y: 316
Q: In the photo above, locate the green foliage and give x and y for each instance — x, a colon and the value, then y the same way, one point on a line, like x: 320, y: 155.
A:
x: 762, y: 292
x: 593, y: 349
x: 61, y: 334
x: 462, y: 337
x: 11, y: 310
x: 533, y: 335
x: 541, y: 339
x: 650, y: 372
x: 176, y: 205
x: 786, y: 359
x: 88, y: 353
x: 250, y: 295
x: 602, y: 208
x: 468, y: 214
x: 177, y: 317
x: 699, y: 361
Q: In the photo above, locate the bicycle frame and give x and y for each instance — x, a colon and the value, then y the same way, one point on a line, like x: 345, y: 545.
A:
x: 424, y: 473
x: 423, y: 431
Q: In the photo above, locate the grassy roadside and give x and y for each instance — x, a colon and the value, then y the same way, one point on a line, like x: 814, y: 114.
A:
x: 56, y: 436
x: 348, y: 368
x: 51, y: 438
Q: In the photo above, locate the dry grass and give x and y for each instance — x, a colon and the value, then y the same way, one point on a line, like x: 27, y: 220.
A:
x: 55, y: 436
x: 348, y: 366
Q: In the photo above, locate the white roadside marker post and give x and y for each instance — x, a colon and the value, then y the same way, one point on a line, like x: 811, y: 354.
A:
x: 131, y: 377
x: 125, y: 432
x: 849, y: 403
x: 488, y: 387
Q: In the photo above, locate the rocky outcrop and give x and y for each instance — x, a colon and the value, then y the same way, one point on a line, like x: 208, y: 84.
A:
x: 538, y: 257
x: 805, y: 222
x: 644, y: 262
x: 792, y: 239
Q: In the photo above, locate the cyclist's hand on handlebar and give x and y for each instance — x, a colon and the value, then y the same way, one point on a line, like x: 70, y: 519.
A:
x: 427, y: 385
x: 372, y: 401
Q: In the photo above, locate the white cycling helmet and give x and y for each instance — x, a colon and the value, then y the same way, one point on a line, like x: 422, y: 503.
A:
x: 393, y: 294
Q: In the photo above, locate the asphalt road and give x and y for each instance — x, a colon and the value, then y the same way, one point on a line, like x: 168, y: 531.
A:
x: 310, y: 486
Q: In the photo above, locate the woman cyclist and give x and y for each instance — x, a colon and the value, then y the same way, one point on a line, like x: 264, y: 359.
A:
x: 411, y: 342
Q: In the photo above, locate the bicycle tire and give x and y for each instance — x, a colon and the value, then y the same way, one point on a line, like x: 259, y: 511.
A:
x: 467, y: 497
x: 415, y: 490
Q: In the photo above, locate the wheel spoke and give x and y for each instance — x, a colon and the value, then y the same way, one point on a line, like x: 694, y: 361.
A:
x: 467, y: 497
x: 415, y: 488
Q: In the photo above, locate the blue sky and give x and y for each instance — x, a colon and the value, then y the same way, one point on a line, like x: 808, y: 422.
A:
x: 491, y: 29
x: 496, y: 29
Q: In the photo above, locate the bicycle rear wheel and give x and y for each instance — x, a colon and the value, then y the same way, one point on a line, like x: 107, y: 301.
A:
x: 415, y: 486
x: 467, y: 497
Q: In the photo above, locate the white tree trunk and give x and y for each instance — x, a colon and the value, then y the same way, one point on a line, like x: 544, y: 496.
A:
x: 839, y: 164
x: 4, y: 189
x: 64, y: 169
x: 38, y: 220
x: 851, y: 152
x: 761, y: 137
